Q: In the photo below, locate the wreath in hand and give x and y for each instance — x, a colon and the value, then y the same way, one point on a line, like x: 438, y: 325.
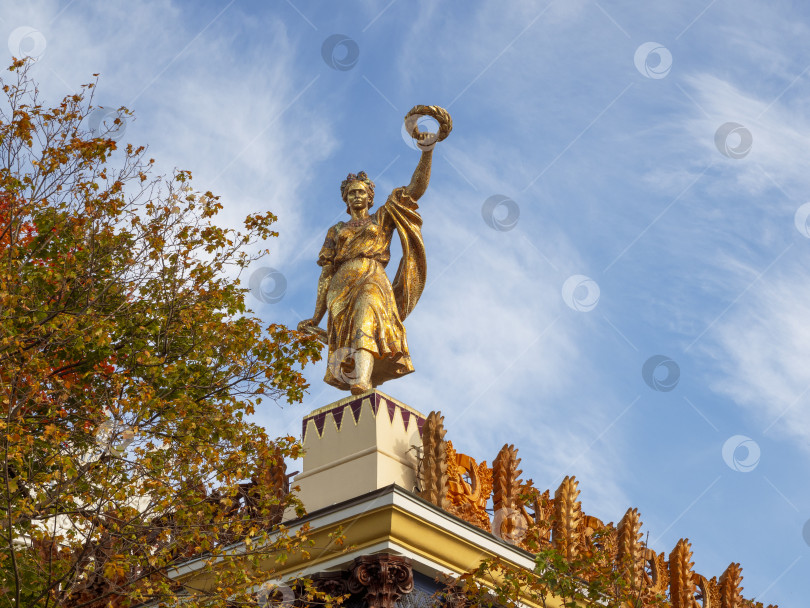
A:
x: 425, y: 140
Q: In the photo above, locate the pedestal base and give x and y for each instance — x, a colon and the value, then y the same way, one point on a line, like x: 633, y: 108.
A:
x: 357, y: 445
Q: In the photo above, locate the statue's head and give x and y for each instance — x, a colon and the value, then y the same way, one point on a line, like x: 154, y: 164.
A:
x: 353, y: 181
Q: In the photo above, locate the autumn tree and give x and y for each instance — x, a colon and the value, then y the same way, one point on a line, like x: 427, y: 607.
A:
x: 129, y: 368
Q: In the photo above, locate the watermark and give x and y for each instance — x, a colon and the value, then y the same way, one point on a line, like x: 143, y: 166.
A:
x: 340, y: 52
x: 741, y: 453
x: 733, y: 140
x: 653, y: 60
x: 500, y: 213
x: 107, y: 123
x: 800, y: 220
x: 509, y: 525
x: 113, y: 438
x: 268, y: 285
x: 275, y: 594
x: 661, y: 373
x: 806, y: 532
x: 27, y: 42
x: 342, y: 365
x: 425, y: 124
x: 580, y: 293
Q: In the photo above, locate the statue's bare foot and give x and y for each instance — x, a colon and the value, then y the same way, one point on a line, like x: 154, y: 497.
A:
x: 360, y: 387
x: 363, y: 364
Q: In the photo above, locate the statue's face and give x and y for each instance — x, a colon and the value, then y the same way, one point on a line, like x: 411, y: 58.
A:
x: 357, y: 196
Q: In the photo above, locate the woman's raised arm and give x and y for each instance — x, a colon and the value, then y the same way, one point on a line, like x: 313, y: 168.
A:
x: 421, y: 176
x: 426, y: 141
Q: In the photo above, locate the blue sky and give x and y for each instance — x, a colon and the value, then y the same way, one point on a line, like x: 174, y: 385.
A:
x: 657, y: 150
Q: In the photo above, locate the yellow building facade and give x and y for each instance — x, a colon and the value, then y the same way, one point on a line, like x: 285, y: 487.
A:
x: 414, y: 516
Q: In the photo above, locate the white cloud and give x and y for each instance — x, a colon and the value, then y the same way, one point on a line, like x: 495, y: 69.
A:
x: 778, y: 126
x: 763, y: 348
x: 247, y: 124
x: 760, y: 346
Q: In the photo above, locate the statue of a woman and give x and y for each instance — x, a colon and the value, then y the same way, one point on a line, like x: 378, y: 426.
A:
x: 364, y: 329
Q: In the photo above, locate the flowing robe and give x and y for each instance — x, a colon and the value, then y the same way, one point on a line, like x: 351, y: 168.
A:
x: 365, y: 310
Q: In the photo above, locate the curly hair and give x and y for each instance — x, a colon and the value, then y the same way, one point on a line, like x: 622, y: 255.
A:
x: 358, y: 177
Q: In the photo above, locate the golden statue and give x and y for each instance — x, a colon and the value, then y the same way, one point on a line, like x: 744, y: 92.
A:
x: 364, y: 330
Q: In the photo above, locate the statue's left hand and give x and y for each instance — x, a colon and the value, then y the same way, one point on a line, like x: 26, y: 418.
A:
x: 306, y: 325
x: 309, y: 326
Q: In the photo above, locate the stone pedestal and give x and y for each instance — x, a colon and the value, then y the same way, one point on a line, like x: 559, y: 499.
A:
x: 357, y: 445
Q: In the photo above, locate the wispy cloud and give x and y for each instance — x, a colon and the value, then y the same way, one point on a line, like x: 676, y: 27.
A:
x: 763, y: 349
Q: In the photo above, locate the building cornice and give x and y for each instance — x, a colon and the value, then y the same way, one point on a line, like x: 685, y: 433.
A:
x: 390, y: 520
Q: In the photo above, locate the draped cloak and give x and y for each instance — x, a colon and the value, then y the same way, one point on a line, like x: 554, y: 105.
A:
x: 365, y: 309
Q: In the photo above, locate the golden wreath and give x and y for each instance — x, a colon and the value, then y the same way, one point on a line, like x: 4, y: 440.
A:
x: 426, y: 140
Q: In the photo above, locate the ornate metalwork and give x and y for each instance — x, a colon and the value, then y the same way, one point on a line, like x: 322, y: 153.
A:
x: 469, y: 485
x: 383, y: 578
x: 333, y: 584
x: 510, y: 521
x: 433, y: 465
x: 731, y: 588
x: 630, y: 549
x: 706, y: 593
x: 681, y: 582
x: 568, y: 517
x: 532, y: 520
